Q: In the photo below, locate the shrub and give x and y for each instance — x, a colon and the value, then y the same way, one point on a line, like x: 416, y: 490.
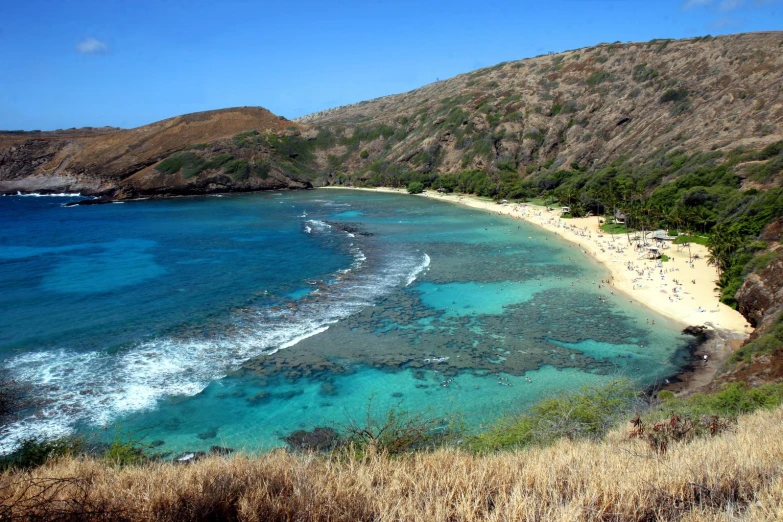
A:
x: 170, y: 165
x: 364, y: 154
x: 243, y: 138
x: 771, y: 341
x: 597, y: 77
x: 588, y: 413
x: 643, y: 73
x: 415, y: 187
x: 761, y: 262
x: 395, y: 431
x: 735, y: 399
x: 189, y: 163
x: 36, y: 451
x: 124, y: 453
x: 677, y: 429
x: 238, y: 169
x: 260, y: 169
x: 218, y: 161
x: 674, y: 95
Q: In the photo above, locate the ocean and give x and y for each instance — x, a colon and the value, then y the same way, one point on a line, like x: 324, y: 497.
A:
x: 234, y: 321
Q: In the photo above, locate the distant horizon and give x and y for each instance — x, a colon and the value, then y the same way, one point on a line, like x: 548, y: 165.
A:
x: 116, y: 65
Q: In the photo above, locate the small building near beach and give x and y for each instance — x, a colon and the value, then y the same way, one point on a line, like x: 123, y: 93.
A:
x: 660, y: 235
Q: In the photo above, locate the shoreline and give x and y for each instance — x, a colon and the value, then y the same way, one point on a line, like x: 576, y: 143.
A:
x: 690, y: 301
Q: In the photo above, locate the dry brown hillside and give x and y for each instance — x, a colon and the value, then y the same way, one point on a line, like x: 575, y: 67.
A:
x: 733, y: 476
x: 587, y: 106
x: 105, y: 162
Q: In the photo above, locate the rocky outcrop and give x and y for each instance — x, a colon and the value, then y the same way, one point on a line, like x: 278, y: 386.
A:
x: 760, y: 298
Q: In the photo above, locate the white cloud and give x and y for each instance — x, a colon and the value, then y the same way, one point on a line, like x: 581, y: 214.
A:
x: 92, y: 46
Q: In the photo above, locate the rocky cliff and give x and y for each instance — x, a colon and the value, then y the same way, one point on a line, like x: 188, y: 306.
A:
x: 760, y: 299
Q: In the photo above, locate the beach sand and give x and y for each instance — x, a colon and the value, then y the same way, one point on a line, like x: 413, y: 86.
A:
x: 683, y: 288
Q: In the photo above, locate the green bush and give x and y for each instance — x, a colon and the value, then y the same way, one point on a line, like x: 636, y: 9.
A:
x: 260, y: 169
x: 415, y: 187
x: 761, y: 262
x: 396, y: 431
x: 588, y: 413
x: 170, y: 165
x: 188, y: 162
x: 124, y: 453
x: 244, y: 138
x: 238, y: 169
x: 674, y: 95
x: 597, y: 77
x: 642, y: 73
x: 364, y: 154
x: 771, y: 341
x: 218, y: 161
x: 735, y: 399
x: 36, y: 451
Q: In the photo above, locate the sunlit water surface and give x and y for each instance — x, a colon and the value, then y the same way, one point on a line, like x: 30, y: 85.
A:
x: 234, y: 321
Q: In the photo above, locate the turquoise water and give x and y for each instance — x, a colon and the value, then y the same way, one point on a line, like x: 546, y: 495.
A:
x: 234, y: 321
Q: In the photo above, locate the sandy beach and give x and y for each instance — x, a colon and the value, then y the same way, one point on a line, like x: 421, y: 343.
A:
x: 682, y: 289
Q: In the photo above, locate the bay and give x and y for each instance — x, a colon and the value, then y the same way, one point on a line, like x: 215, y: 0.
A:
x: 236, y: 320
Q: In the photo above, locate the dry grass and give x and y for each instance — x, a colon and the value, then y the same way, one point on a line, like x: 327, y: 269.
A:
x: 735, y: 476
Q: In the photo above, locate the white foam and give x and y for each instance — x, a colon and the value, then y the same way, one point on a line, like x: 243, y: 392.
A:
x: 39, y: 195
x: 95, y: 388
x: 424, y: 265
x: 318, y: 226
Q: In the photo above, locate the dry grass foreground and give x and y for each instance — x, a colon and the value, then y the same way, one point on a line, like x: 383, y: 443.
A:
x: 737, y: 475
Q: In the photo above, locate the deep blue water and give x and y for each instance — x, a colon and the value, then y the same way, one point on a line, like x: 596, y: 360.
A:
x: 237, y: 320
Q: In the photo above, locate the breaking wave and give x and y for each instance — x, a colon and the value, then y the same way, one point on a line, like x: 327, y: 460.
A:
x: 94, y: 388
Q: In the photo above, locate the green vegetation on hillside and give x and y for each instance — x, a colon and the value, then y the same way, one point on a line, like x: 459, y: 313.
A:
x: 697, y: 194
x: 771, y: 341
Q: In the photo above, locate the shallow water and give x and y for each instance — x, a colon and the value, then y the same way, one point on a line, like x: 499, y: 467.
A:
x: 233, y: 321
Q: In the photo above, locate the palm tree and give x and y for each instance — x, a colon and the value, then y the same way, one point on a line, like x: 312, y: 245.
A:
x: 703, y: 216
x: 723, y: 243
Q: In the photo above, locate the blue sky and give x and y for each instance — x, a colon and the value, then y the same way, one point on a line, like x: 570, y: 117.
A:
x: 67, y: 63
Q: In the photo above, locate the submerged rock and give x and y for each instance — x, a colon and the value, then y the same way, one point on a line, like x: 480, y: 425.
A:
x: 211, y: 433
x: 319, y: 439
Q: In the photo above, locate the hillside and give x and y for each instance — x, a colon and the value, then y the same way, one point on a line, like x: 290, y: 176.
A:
x: 583, y: 108
x: 120, y: 163
x: 734, y: 475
